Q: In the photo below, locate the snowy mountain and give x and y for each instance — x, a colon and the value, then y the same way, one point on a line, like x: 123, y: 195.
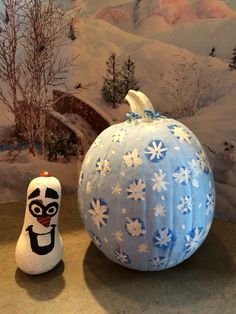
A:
x: 201, y: 36
x: 165, y: 14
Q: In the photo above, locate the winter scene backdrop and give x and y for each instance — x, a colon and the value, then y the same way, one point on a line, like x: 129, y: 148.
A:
x: 67, y: 82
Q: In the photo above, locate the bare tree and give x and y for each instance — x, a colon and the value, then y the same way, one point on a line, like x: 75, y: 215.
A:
x: 187, y: 84
x: 36, y: 30
x: 10, y: 22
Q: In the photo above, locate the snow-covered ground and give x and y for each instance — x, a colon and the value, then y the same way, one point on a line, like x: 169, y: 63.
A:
x: 181, y: 30
x: 15, y: 176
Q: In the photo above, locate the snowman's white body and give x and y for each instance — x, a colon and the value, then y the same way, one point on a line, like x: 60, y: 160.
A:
x: 39, y: 247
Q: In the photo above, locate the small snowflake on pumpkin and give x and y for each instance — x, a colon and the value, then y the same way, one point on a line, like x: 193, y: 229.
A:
x: 159, y: 210
x: 210, y: 203
x: 89, y: 187
x: 136, y: 190
x: 160, y: 183
x: 118, y: 235
x: 195, y: 183
x: 122, y: 257
x: 116, y: 189
x: 143, y: 248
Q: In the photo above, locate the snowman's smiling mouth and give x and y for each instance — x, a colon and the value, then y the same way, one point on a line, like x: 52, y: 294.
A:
x: 36, y: 238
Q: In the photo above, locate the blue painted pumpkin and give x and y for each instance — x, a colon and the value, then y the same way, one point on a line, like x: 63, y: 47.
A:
x: 146, y: 190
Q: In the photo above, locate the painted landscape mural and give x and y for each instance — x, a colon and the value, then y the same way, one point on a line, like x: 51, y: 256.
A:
x: 64, y: 81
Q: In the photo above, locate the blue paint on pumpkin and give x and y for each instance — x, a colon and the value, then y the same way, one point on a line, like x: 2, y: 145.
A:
x: 146, y: 193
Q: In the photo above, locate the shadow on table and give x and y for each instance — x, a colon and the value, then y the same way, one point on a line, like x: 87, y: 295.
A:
x: 201, y: 278
x: 45, y: 286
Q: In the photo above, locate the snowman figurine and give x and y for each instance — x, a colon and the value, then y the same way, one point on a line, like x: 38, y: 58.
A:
x: 39, y: 247
x: 224, y: 163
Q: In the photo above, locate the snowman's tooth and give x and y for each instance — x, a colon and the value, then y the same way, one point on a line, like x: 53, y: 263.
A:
x: 44, y: 239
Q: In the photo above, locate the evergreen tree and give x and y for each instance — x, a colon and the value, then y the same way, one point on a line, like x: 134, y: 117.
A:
x: 112, y: 85
x: 232, y: 64
x: 128, y: 77
x: 213, y: 52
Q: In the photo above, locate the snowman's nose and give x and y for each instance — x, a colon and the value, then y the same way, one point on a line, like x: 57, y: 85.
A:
x: 44, y: 220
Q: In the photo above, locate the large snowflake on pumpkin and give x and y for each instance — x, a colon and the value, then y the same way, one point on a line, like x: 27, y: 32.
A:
x: 158, y: 261
x: 136, y: 190
x: 164, y: 238
x: 155, y: 151
x: 160, y: 184
x: 103, y: 166
x: 181, y: 175
x: 185, y: 205
x: 99, y: 212
x: 132, y: 159
x: 135, y: 227
x: 193, y: 239
x: 180, y: 133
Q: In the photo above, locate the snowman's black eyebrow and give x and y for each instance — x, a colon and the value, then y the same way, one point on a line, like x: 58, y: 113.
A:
x: 50, y: 193
x: 35, y: 193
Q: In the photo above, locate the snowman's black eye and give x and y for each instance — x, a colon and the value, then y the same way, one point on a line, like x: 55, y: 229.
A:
x: 36, y: 210
x: 232, y: 146
x: 51, y: 209
x: 226, y: 143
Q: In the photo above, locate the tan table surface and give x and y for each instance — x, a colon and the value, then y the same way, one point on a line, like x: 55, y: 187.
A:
x: 87, y: 282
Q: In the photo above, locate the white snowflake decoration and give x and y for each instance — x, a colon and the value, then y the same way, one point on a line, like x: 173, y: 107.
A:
x: 181, y: 175
x: 210, y: 203
x: 122, y: 257
x: 136, y: 190
x: 99, y: 212
x: 158, y: 261
x: 96, y: 239
x: 203, y: 161
x: 155, y: 151
x: 118, y: 235
x: 119, y: 136
x: 185, y: 205
x: 135, y: 227
x: 160, y: 183
x: 195, y: 183
x: 103, y: 166
x: 159, y: 210
x: 163, y: 238
x: 132, y: 159
x: 143, y: 248
x: 116, y: 189
x: 195, y: 166
x: 193, y: 239
x: 89, y: 187
x: 181, y: 134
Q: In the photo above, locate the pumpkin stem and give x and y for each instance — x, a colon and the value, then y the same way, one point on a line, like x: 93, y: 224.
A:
x: 138, y: 103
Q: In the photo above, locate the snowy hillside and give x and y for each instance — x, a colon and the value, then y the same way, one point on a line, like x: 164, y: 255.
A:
x: 153, y: 59
x: 201, y: 36
x: 163, y: 15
